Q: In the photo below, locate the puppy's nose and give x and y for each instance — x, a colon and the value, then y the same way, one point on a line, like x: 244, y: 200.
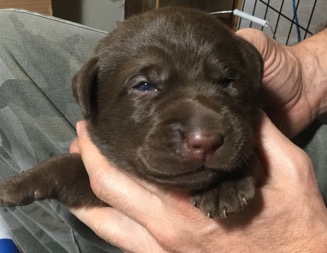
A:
x: 200, y: 143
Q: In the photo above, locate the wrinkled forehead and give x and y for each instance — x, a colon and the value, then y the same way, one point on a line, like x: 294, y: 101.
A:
x: 203, y: 56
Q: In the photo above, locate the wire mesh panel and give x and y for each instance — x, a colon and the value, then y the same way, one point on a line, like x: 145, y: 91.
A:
x: 291, y: 20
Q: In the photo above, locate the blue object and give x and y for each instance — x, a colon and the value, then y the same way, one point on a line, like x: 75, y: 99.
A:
x: 8, y: 246
x: 296, y: 21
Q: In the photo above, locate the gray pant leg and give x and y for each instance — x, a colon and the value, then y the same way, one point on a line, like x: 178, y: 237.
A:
x: 38, y: 57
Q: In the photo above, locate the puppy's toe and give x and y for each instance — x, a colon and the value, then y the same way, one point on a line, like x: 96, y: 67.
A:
x: 227, y: 198
x: 207, y: 202
x: 235, y: 195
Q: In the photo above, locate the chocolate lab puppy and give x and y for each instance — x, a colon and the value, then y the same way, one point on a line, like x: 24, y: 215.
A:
x: 171, y: 97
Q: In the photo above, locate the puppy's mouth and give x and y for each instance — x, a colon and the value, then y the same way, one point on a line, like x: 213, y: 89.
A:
x: 196, y: 179
x: 187, y: 173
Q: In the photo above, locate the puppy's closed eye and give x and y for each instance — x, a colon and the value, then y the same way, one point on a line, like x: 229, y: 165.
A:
x: 225, y: 82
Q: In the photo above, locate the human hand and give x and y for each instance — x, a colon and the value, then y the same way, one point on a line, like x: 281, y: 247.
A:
x: 295, y: 79
x: 288, y: 214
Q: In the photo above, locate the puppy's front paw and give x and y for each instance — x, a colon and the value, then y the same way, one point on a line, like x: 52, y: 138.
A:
x: 227, y: 198
x: 13, y: 192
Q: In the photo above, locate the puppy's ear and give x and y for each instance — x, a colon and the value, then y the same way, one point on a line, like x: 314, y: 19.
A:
x: 84, y: 86
x: 254, y: 62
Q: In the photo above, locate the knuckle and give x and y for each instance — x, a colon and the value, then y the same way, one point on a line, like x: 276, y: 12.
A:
x: 170, y: 241
x: 301, y: 159
x: 104, y: 231
x: 302, y: 165
x: 99, y: 182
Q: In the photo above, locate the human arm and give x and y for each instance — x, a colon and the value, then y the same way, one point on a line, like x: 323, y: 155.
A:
x: 288, y: 215
x: 294, y: 88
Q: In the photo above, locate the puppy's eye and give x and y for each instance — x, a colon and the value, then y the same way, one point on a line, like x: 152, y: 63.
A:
x: 145, y: 87
x: 226, y: 82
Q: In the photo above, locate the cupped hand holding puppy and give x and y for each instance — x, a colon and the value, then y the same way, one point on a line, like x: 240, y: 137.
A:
x: 295, y: 79
x: 290, y: 215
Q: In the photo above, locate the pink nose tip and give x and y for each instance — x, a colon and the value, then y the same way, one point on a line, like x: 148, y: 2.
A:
x: 200, y: 143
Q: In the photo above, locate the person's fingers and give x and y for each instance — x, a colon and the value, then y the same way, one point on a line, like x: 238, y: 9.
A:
x: 118, y: 229
x: 112, y: 185
x: 106, y: 179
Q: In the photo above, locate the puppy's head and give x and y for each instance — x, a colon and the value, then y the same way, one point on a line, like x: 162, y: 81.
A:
x: 171, y: 96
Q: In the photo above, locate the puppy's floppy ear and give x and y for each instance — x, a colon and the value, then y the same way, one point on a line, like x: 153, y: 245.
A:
x: 84, y: 86
x: 253, y: 61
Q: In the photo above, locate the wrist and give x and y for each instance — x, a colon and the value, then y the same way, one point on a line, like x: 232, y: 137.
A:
x: 312, y: 56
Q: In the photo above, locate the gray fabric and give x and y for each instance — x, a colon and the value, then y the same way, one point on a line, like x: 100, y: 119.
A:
x: 38, y: 57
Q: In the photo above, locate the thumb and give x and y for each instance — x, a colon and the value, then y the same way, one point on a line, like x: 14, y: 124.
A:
x: 89, y: 152
x: 267, y: 47
x: 257, y: 38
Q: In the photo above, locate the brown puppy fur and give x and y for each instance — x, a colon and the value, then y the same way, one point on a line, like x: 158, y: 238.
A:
x: 170, y: 96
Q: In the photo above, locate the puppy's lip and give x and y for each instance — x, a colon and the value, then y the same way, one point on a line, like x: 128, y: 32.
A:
x: 199, y: 170
x: 187, y: 180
